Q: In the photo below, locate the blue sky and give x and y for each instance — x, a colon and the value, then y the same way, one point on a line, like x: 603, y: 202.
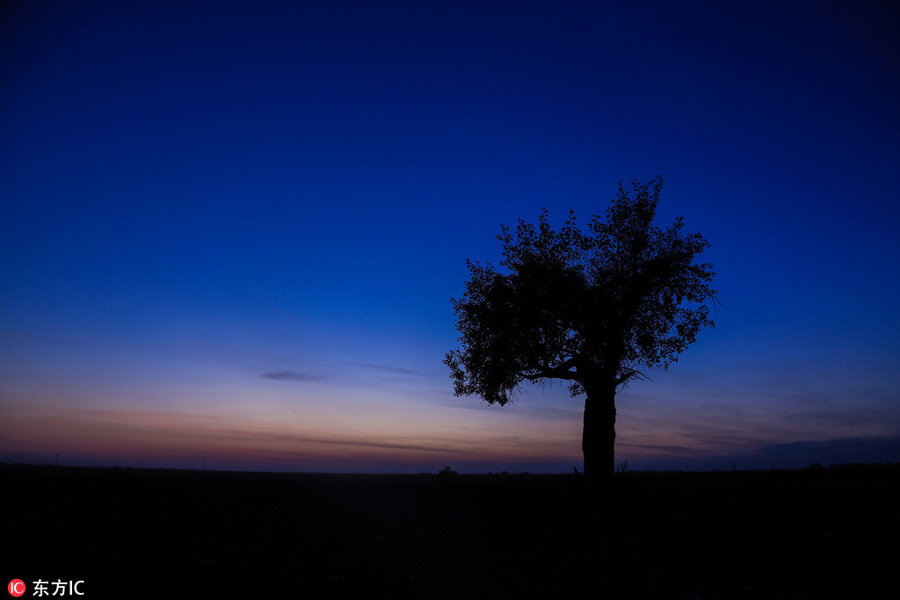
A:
x: 231, y: 231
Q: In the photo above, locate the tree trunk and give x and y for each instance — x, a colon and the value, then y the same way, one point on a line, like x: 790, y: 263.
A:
x: 599, y: 436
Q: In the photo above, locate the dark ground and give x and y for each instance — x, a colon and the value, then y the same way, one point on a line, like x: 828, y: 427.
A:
x: 813, y: 533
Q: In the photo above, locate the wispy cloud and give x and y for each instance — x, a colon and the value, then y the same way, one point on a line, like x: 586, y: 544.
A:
x: 444, y: 446
x: 291, y: 376
x: 399, y: 370
x: 875, y: 448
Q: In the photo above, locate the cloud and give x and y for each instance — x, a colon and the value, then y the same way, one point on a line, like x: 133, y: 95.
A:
x: 399, y: 370
x: 435, y: 445
x: 852, y: 449
x: 290, y: 376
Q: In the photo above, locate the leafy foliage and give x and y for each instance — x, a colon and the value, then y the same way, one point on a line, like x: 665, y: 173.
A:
x: 582, y: 306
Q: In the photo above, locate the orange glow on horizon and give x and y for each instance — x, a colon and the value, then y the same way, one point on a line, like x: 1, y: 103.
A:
x: 190, y: 439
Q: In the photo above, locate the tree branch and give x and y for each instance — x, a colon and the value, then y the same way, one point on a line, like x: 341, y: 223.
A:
x: 629, y: 374
x: 560, y: 371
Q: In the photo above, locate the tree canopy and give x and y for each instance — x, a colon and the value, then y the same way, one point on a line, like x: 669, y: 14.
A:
x: 594, y: 307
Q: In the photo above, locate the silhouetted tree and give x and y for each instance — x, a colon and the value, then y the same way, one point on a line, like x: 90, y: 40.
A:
x: 592, y: 308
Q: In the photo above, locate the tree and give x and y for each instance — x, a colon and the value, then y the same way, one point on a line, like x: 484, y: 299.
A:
x: 592, y: 308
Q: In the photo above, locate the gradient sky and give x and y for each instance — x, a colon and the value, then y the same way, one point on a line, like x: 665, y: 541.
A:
x: 230, y: 231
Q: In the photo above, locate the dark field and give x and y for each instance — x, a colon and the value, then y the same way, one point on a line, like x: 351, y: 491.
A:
x: 816, y: 533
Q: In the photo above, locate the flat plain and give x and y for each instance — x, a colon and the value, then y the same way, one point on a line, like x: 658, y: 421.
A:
x: 810, y: 533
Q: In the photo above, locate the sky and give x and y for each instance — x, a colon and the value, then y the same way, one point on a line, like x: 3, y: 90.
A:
x: 230, y: 231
